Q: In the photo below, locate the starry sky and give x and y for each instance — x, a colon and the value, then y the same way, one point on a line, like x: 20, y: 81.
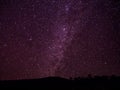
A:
x: 65, y: 38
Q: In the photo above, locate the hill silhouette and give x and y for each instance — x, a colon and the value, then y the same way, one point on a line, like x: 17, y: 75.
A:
x: 94, y: 83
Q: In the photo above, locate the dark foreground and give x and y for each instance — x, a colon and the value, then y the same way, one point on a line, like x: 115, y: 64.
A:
x: 96, y: 83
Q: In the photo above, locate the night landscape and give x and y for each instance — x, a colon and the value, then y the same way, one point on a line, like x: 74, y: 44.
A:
x: 60, y: 43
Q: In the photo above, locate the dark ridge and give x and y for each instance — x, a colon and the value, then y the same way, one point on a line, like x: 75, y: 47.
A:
x: 89, y: 83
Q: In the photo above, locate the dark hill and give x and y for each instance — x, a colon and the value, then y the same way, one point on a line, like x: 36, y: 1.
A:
x: 90, y: 83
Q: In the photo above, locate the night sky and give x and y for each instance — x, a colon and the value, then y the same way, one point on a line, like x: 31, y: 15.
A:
x: 66, y: 38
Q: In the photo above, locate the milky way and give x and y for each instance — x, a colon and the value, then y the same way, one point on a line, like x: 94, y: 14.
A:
x: 65, y: 38
x: 63, y: 34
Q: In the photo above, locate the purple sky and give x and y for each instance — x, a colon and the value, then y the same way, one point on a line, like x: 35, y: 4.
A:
x: 66, y: 38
